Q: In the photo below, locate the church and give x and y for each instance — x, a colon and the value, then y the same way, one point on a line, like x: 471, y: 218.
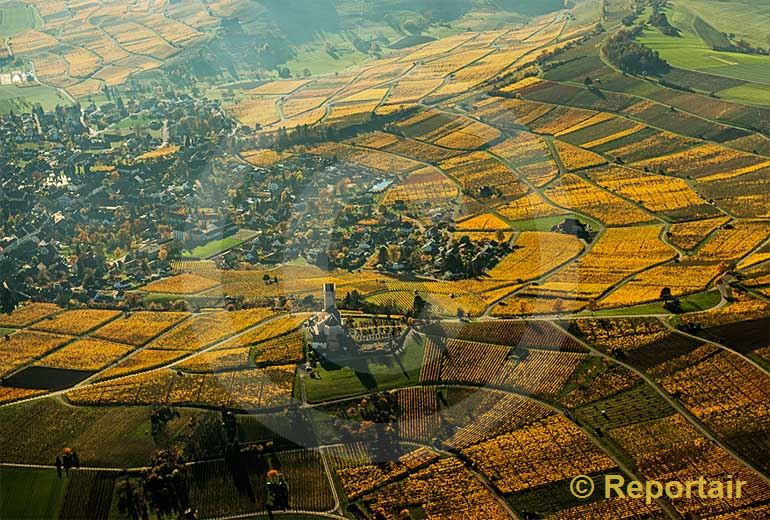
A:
x: 328, y: 333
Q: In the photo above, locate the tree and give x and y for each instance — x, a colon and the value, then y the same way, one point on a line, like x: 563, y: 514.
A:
x: 8, y: 299
x: 419, y: 306
x: 88, y: 278
x: 588, y: 82
x: 322, y: 260
x: 383, y: 255
x: 665, y: 294
x: 632, y: 57
x: 673, y: 305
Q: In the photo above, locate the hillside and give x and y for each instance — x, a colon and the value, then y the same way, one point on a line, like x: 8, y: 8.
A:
x: 384, y: 260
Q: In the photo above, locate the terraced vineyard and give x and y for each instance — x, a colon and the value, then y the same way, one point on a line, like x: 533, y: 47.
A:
x: 382, y: 261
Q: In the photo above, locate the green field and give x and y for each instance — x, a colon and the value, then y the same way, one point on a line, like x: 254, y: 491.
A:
x: 690, y: 51
x: 747, y: 19
x: 380, y: 373
x: 547, y: 223
x: 27, y: 493
x: 103, y: 436
x: 750, y: 93
x: 221, y: 245
x: 212, y: 248
x: 314, y: 57
x: 16, y: 18
x: 132, y: 122
x: 691, y: 303
x: 24, y: 98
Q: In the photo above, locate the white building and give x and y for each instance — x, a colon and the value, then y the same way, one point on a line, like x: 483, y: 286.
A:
x: 327, y: 330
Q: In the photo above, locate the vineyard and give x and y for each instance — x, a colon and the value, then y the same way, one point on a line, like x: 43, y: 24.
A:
x: 479, y: 174
x: 89, y: 494
x: 688, y: 235
x: 666, y: 447
x: 548, y: 451
x: 666, y: 195
x: 480, y: 415
x: 645, y: 342
x: 425, y: 184
x: 530, y: 371
x: 137, y: 328
x: 614, y: 256
x: 186, y: 283
x: 142, y: 360
x: 546, y: 262
x: 219, y: 490
x: 27, y: 314
x: 611, y: 509
x: 509, y: 332
x: 268, y: 387
x: 419, y: 413
x: 575, y: 158
x: 537, y: 254
x: 573, y: 192
x: 24, y: 347
x: 272, y: 329
x: 86, y: 354
x: 81, y: 47
x: 715, y: 389
x: 358, y: 473
x: 280, y: 350
x: 529, y: 207
x: 205, y: 329
x: 444, y: 489
x: 75, y: 322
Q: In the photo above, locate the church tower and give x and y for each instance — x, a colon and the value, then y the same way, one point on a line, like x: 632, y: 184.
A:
x: 330, y: 297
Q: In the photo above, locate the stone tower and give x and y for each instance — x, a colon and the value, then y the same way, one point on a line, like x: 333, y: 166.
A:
x: 330, y: 297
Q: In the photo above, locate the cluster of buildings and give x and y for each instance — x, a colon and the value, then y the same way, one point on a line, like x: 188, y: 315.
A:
x: 16, y: 77
x: 82, y: 218
x: 96, y: 201
x: 332, y: 337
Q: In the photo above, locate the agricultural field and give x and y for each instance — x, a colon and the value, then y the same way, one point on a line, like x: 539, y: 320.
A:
x: 443, y: 489
x: 139, y: 327
x: 75, y: 322
x: 668, y: 196
x: 695, y: 50
x: 86, y: 354
x: 425, y: 184
x: 23, y: 499
x: 658, y: 440
x: 17, y: 18
x: 552, y: 436
x: 208, y: 328
x: 383, y: 260
x: 539, y: 253
x: 482, y: 176
x: 588, y: 277
x: 528, y: 208
x: 245, y: 389
x: 573, y: 192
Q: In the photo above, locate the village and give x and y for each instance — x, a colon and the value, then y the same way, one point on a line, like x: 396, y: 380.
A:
x: 90, y: 213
